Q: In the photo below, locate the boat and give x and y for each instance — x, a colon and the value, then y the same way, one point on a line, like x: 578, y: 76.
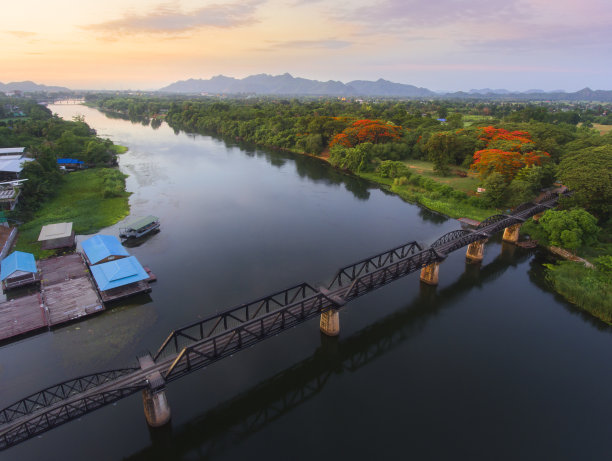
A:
x: 139, y: 227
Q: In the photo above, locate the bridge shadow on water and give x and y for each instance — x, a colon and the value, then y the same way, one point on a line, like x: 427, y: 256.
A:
x: 228, y: 424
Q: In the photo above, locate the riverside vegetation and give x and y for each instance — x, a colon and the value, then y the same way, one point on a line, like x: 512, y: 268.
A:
x: 48, y: 196
x: 436, y: 153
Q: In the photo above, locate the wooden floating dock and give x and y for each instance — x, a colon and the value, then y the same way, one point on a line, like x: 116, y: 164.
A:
x: 22, y: 315
x: 67, y: 292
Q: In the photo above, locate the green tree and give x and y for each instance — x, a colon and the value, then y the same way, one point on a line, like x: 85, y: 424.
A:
x: 570, y: 228
x: 588, y: 174
x: 495, y: 189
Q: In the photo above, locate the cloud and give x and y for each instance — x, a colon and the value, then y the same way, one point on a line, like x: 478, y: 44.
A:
x: 546, y: 38
x: 330, y: 44
x: 169, y: 19
x: 417, y: 13
x: 20, y: 33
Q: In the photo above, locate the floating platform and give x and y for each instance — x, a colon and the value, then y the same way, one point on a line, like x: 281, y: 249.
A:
x: 152, y: 276
x: 67, y: 293
x: 22, y: 315
x: 67, y: 290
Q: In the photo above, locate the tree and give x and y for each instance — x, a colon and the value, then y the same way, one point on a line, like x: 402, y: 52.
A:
x: 588, y: 174
x: 570, y: 228
x: 495, y: 189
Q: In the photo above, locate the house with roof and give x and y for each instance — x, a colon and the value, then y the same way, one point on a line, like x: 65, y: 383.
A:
x: 101, y: 249
x: 12, y: 151
x: 70, y: 164
x: 18, y: 269
x: 11, y: 166
x: 59, y: 235
x: 120, y: 278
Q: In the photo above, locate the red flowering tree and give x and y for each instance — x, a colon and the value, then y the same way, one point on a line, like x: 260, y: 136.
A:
x: 361, y: 131
x: 506, y: 153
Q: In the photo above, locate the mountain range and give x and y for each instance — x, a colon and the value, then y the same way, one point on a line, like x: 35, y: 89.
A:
x: 287, y: 85
x: 31, y: 87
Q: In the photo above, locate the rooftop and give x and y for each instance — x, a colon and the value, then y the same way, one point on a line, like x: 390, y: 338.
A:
x: 55, y: 231
x: 100, y: 247
x: 11, y: 150
x: 17, y: 261
x: 118, y: 273
x: 139, y: 223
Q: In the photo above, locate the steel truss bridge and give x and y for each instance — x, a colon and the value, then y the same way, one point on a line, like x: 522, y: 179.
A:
x: 221, y: 335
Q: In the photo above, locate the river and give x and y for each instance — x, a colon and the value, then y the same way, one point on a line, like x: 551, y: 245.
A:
x: 489, y: 365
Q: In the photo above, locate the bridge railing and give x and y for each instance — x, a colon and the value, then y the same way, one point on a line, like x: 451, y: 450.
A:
x: 59, y: 392
x: 213, y: 348
x: 348, y: 274
x: 231, y: 318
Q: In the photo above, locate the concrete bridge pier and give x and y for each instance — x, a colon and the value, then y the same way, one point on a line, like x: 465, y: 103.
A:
x: 156, y: 408
x: 330, y: 322
x: 536, y: 217
x: 511, y: 233
x: 429, y: 274
x: 475, y: 250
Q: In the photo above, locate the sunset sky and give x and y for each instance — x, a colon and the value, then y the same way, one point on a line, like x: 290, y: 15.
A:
x: 438, y: 44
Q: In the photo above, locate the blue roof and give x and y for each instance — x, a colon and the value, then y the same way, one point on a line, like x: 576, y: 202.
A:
x: 17, y: 261
x: 69, y: 160
x: 118, y: 273
x: 99, y: 247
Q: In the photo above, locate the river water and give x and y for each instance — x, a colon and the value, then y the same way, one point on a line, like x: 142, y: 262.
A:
x: 488, y: 365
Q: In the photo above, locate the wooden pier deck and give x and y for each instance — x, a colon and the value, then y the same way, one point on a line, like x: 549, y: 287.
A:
x: 22, y: 315
x: 67, y: 290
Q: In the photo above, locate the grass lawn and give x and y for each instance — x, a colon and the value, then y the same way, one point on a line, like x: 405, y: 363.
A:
x: 79, y: 200
x: 478, y: 120
x: 603, y: 129
x: 466, y: 184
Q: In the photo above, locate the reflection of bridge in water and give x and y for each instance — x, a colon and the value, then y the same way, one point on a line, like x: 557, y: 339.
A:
x: 204, y: 342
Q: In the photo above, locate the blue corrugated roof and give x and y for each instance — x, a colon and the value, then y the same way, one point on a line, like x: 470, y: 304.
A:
x: 118, y: 273
x: 69, y: 160
x: 99, y: 247
x: 17, y: 261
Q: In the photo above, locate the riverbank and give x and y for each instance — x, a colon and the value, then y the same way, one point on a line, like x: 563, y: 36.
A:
x: 576, y: 278
x: 91, y: 199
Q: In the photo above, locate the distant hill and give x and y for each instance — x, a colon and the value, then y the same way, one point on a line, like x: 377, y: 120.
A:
x: 31, y: 87
x: 286, y: 84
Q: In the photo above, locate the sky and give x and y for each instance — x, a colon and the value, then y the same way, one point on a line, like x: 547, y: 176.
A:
x: 438, y: 44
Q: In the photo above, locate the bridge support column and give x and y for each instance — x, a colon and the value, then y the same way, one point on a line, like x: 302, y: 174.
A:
x: 429, y: 274
x: 330, y: 322
x: 475, y: 250
x: 511, y: 234
x: 156, y: 408
x: 536, y: 217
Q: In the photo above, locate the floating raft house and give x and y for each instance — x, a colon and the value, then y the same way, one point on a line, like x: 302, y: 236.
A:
x: 18, y: 269
x: 120, y: 278
x: 58, y: 235
x: 101, y: 249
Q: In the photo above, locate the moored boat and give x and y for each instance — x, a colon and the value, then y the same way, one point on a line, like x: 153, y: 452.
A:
x: 139, y: 227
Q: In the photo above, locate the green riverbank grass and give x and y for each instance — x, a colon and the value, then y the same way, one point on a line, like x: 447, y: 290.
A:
x: 80, y: 200
x: 589, y: 289
x: 446, y: 205
x: 467, y: 184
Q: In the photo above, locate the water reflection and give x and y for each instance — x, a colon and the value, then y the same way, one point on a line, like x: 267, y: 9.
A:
x: 228, y: 424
